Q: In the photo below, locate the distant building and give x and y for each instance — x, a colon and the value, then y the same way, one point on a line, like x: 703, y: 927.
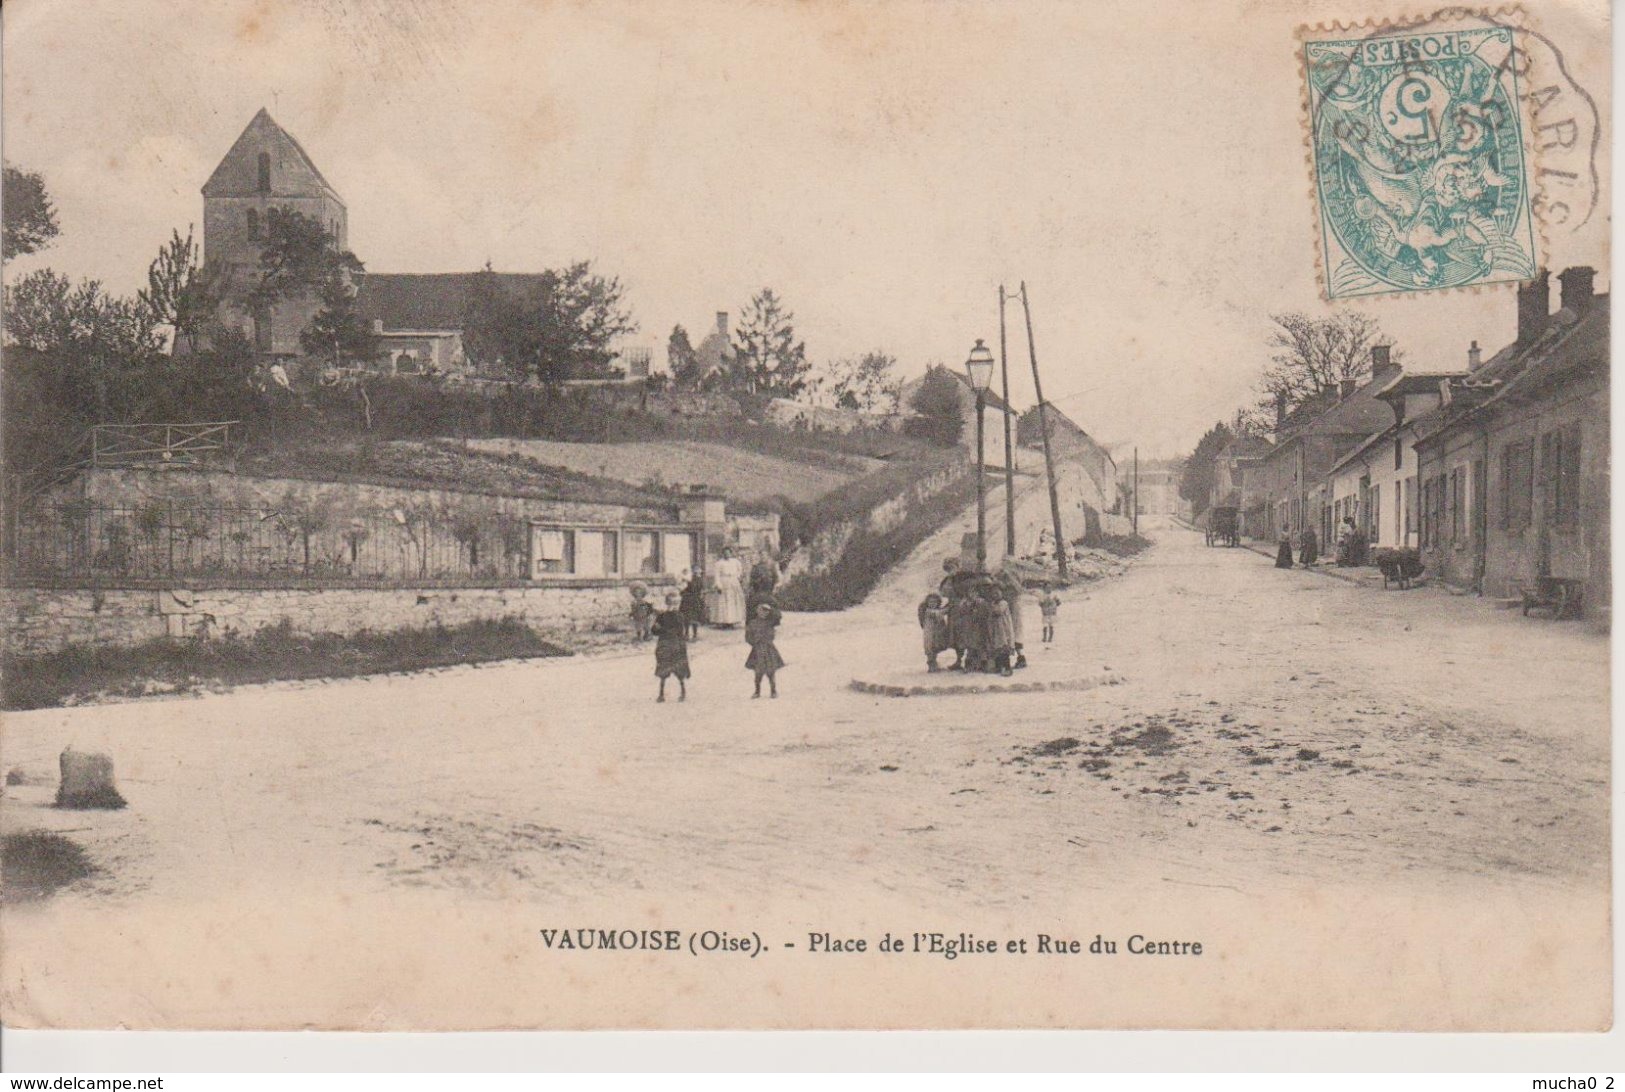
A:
x: 995, y: 411
x: 1313, y: 438
x: 1071, y: 445
x: 1238, y: 483
x: 714, y: 355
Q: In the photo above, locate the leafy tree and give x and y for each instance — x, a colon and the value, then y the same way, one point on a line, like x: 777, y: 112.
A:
x: 1314, y: 354
x: 682, y: 361
x: 1196, y: 478
x: 558, y: 325
x: 338, y: 331
x: 29, y: 217
x: 181, y: 293
x: 298, y: 257
x: 939, y: 411
x: 866, y: 382
x: 768, y: 360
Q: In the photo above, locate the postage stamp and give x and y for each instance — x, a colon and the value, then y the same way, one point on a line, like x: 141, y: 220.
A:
x: 1421, y: 164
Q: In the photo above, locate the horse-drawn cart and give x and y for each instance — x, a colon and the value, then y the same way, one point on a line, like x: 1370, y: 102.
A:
x: 1224, y: 526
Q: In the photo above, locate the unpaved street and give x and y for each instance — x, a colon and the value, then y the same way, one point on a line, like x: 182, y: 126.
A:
x: 1273, y: 728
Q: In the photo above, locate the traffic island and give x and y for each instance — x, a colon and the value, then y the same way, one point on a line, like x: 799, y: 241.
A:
x: 957, y: 683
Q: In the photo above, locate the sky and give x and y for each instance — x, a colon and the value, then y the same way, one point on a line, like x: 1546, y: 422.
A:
x: 884, y: 167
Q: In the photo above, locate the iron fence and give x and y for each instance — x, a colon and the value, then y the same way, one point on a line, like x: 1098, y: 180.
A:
x: 176, y: 543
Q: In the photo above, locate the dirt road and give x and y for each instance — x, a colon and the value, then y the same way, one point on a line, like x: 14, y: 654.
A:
x: 1273, y: 726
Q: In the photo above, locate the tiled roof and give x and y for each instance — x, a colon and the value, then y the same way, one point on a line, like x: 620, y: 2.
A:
x: 426, y: 301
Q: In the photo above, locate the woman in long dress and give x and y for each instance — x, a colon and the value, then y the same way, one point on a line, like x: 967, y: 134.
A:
x: 729, y: 575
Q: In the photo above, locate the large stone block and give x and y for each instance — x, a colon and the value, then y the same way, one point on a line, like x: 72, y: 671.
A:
x: 87, y: 781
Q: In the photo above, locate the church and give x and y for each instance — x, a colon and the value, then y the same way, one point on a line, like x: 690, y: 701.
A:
x: 417, y: 318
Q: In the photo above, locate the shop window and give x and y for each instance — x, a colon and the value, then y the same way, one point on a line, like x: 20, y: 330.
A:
x: 642, y: 552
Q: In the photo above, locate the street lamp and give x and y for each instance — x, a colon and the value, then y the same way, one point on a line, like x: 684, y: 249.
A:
x: 979, y: 366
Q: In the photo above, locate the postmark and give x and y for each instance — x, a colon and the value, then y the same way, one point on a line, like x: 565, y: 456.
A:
x: 1420, y: 156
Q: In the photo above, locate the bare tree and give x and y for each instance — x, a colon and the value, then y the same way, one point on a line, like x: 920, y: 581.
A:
x: 1314, y: 354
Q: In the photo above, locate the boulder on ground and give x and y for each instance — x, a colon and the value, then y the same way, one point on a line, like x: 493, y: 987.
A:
x: 87, y: 781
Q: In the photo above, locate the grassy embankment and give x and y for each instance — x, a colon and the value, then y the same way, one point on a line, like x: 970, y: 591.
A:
x: 83, y: 673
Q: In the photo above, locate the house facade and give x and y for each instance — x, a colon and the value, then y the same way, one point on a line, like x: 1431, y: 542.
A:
x: 1238, y: 482
x: 1295, y: 473
x: 995, y: 411
x: 1515, y: 463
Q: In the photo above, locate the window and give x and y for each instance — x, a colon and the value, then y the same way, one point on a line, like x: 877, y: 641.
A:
x: 265, y: 172
x: 678, y: 551
x: 1374, y: 534
x: 552, y: 551
x: 1517, y: 484
x: 1560, y: 476
x: 1458, y: 504
x: 253, y: 222
x: 642, y: 552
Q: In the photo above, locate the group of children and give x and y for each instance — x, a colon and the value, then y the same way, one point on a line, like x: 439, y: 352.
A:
x: 971, y: 614
x: 675, y: 626
x: 977, y: 617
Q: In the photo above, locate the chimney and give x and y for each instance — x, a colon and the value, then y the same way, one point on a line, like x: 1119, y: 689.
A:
x: 1534, y: 304
x: 1579, y: 287
x: 722, y: 324
x: 1345, y: 387
x: 1381, y: 356
x: 1474, y: 357
x: 1280, y: 411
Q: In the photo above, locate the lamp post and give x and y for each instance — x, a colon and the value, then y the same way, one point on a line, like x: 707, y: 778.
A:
x: 979, y: 366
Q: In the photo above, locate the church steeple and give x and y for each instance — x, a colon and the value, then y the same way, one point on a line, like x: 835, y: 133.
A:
x: 265, y: 169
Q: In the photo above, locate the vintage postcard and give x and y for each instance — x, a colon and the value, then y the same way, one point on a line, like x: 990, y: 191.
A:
x: 753, y: 514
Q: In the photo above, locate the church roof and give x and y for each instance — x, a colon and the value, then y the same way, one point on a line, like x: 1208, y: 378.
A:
x: 428, y: 301
x: 238, y: 173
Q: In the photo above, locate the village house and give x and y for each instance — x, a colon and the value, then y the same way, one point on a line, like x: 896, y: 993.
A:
x: 1238, y: 483
x: 1312, y: 438
x: 994, y: 412
x: 1514, y: 462
x: 1072, y: 446
x: 1375, y: 484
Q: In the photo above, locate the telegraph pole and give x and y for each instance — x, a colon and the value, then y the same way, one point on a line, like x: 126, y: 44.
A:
x: 1136, y: 512
x: 1043, y: 427
x: 1009, y: 457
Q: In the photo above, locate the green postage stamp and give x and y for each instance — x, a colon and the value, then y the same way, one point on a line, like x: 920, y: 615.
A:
x: 1421, y: 168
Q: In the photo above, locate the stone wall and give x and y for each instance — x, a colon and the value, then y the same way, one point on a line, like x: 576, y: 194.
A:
x: 40, y: 620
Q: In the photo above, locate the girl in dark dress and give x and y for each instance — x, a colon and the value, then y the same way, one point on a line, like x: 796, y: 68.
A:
x: 764, y: 658
x: 693, y: 605
x: 671, y: 648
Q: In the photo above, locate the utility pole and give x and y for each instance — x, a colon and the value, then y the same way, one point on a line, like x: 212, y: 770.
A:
x: 1009, y: 457
x: 1043, y: 427
x: 1136, y: 512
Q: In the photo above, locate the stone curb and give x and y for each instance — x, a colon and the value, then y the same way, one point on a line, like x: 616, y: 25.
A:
x: 893, y: 691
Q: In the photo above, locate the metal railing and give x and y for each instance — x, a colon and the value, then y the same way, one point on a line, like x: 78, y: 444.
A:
x: 174, y: 543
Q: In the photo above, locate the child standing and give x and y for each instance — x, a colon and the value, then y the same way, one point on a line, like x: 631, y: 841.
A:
x: 1048, y: 605
x: 643, y: 612
x: 693, y: 604
x: 764, y: 658
x: 933, y: 614
x: 1001, y: 630
x: 671, y: 648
